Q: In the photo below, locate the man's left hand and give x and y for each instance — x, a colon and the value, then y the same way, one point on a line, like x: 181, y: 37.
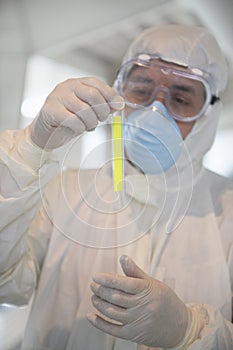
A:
x: 138, y: 308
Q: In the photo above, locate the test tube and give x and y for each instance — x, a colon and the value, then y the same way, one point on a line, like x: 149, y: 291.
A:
x: 118, y: 157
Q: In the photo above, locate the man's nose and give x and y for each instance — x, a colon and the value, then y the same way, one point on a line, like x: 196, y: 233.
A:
x: 161, y: 95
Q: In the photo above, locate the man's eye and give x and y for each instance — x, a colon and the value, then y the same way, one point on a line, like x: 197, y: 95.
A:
x: 180, y: 100
x: 140, y: 89
x: 141, y: 92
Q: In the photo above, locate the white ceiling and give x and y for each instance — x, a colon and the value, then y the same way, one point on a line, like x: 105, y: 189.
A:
x: 92, y: 35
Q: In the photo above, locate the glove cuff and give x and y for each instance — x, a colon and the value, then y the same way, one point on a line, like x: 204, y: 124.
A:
x: 198, y: 317
x: 32, y: 155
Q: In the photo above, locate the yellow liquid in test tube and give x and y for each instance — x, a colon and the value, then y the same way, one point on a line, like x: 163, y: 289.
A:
x: 117, y: 153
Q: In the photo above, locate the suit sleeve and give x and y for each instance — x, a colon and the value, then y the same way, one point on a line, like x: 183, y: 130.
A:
x: 25, y: 170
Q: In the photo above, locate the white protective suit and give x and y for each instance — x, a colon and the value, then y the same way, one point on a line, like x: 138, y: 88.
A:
x: 177, y: 227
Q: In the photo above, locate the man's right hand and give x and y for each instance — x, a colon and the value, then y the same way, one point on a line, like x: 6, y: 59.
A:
x: 74, y: 106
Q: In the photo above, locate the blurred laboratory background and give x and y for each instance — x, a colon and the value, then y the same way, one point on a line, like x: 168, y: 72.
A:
x: 44, y: 42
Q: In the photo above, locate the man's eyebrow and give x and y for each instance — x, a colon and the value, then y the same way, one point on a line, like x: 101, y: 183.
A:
x: 186, y: 88
x: 142, y: 79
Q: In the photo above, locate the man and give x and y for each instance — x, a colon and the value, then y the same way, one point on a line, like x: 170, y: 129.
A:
x: 84, y: 246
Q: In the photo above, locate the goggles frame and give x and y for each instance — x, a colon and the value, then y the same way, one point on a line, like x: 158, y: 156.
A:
x: 150, y: 61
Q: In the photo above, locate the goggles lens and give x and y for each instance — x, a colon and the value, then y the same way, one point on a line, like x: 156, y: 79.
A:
x: 184, y: 94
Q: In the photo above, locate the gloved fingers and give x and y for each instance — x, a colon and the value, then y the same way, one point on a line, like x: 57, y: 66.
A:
x: 117, y: 330
x: 72, y: 113
x: 89, y: 99
x: 131, y: 269
x: 106, y: 326
x: 111, y: 311
x: 74, y: 106
x: 114, y: 296
x: 70, y: 103
x: 95, y: 101
x: 102, y: 110
x: 83, y: 112
x: 61, y: 117
x: 110, y: 95
x: 75, y: 124
x: 93, y: 93
x: 124, y: 283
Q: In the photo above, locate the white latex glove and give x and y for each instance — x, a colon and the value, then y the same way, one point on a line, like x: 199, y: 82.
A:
x: 146, y: 311
x: 74, y: 106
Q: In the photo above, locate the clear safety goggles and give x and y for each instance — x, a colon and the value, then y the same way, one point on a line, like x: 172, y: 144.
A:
x: 186, y: 93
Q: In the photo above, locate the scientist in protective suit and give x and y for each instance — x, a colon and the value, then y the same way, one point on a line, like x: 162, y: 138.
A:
x: 147, y: 267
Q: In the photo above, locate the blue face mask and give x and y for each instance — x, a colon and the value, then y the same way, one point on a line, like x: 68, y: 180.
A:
x: 152, y: 139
